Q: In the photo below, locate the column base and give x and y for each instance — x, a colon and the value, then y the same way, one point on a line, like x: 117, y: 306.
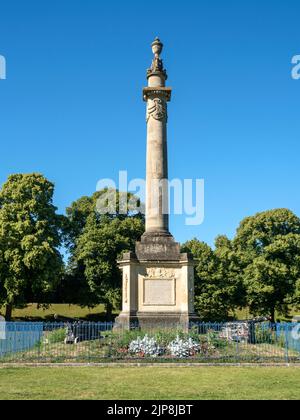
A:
x: 158, y: 286
x: 157, y: 246
x: 155, y: 321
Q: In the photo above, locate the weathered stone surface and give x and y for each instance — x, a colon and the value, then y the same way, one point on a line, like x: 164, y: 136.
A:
x: 157, y: 194
x: 159, y: 292
x: 158, y: 321
x: 157, y: 247
x: 158, y: 281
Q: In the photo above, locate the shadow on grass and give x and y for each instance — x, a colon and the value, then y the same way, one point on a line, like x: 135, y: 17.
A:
x: 100, y: 317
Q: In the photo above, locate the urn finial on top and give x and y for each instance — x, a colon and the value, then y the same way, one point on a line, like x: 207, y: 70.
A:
x: 157, y: 47
x: 157, y: 67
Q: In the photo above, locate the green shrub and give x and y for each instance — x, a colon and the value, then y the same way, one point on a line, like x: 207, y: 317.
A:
x: 212, y: 337
x: 119, y: 341
x: 269, y: 336
x: 56, y: 336
x: 264, y: 335
x: 165, y: 337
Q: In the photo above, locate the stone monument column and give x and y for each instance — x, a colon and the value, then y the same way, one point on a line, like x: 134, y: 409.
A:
x: 157, y: 95
x: 157, y: 243
x: 158, y: 280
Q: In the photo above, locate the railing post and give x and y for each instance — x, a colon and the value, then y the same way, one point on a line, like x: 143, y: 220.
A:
x: 237, y: 350
x: 40, y: 343
x: 287, y: 358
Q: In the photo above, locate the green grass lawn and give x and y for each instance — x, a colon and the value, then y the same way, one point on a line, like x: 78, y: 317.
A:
x: 32, y: 313
x: 244, y: 313
x: 150, y: 383
x: 63, y: 311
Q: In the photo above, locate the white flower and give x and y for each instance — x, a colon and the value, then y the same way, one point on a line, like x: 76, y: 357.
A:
x: 183, y: 348
x: 147, y: 346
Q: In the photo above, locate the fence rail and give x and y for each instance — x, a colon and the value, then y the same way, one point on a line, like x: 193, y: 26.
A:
x: 88, y: 342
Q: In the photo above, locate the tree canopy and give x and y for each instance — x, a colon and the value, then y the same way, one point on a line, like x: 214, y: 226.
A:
x: 30, y: 237
x: 218, y: 288
x: 96, y: 241
x: 267, y: 246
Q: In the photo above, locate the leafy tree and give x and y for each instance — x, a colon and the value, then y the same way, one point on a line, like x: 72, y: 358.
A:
x: 30, y: 237
x: 228, y: 275
x: 205, y: 297
x: 218, y: 288
x: 96, y: 241
x: 267, y: 246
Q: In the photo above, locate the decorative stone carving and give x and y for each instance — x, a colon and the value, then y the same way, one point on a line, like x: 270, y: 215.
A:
x: 126, y: 289
x: 160, y: 273
x: 157, y: 65
x: 153, y: 92
x: 157, y: 108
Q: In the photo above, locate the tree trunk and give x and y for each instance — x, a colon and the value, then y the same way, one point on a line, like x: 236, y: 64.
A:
x: 8, y: 312
x: 109, y: 309
x: 273, y: 316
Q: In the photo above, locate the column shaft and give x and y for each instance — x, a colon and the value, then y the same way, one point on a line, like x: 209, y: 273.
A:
x: 157, y: 206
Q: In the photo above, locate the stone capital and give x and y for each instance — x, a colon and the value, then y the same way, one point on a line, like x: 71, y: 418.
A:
x: 163, y: 92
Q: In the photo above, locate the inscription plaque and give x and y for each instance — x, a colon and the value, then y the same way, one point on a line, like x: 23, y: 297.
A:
x: 159, y: 292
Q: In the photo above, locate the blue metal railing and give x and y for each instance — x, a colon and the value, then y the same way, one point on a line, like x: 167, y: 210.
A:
x: 234, y: 342
x: 20, y: 336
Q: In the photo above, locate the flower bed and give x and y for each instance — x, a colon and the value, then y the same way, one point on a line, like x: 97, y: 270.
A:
x: 159, y: 346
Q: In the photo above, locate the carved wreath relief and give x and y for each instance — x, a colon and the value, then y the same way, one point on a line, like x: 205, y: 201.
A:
x: 160, y: 273
x: 157, y: 109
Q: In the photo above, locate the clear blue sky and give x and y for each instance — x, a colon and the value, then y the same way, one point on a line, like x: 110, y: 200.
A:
x: 71, y: 106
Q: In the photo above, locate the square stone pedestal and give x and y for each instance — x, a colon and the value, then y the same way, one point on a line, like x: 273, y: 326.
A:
x: 157, y: 293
